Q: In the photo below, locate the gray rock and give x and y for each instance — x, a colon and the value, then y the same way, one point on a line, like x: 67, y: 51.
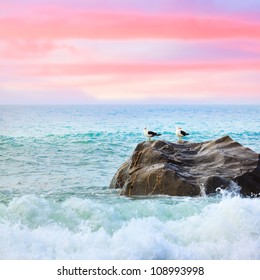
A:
x: 189, y: 169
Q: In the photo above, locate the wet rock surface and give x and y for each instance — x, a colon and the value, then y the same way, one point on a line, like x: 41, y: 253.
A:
x: 189, y: 169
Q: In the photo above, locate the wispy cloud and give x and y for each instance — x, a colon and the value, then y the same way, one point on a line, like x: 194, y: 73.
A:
x: 128, y: 69
x: 103, y: 50
x: 126, y: 25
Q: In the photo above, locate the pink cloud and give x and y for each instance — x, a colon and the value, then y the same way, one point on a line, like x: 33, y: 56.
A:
x: 197, y: 87
x: 66, y: 24
x: 47, y: 48
x: 47, y: 51
x: 17, y: 49
x: 132, y: 69
x: 214, y: 85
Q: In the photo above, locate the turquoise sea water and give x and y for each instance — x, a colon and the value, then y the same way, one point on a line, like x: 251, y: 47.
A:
x: 56, y: 163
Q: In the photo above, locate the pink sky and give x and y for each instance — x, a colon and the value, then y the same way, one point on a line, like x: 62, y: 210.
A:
x: 76, y: 51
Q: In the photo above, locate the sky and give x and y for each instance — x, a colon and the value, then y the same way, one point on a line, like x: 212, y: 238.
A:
x: 129, y: 51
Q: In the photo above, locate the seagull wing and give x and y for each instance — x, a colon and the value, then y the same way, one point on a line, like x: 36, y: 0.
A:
x: 153, y: 133
x: 184, y: 133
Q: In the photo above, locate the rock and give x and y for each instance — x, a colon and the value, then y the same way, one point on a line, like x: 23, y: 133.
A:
x: 189, y: 169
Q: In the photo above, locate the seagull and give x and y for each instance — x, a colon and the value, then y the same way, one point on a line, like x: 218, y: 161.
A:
x: 180, y: 133
x: 150, y: 134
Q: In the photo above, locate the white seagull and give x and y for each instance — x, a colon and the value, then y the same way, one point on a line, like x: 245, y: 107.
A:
x: 180, y: 133
x: 150, y: 134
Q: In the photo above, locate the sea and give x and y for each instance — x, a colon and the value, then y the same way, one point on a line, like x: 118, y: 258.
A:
x: 56, y: 164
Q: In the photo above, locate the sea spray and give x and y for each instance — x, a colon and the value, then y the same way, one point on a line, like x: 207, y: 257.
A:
x: 159, y: 228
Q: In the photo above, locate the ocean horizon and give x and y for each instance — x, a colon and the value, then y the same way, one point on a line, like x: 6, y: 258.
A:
x: 56, y: 165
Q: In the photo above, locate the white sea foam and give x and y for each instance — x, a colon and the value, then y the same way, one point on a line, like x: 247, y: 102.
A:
x: 36, y: 228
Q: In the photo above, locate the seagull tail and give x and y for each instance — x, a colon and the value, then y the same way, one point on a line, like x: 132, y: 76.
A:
x: 158, y: 134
